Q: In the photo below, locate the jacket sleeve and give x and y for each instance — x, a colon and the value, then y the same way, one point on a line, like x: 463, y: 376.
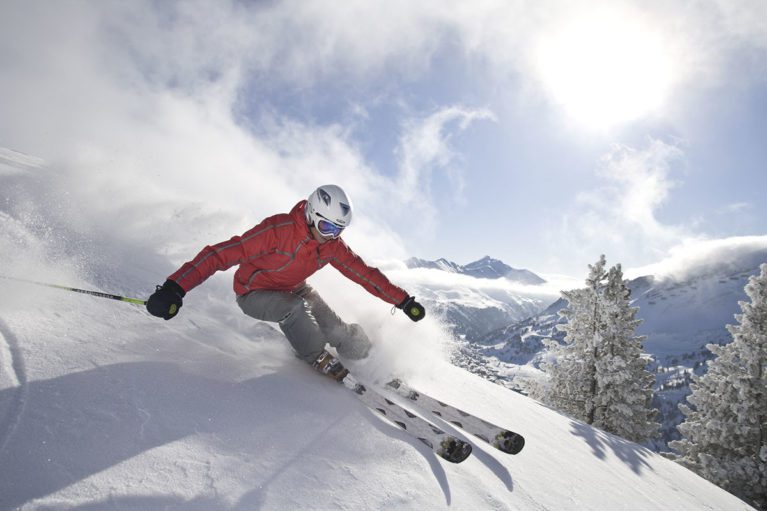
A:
x: 222, y: 256
x: 353, y: 267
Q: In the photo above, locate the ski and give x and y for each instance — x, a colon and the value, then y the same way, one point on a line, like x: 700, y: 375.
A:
x: 500, y: 438
x: 446, y: 446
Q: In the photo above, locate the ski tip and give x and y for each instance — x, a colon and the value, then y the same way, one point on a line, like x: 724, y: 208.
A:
x: 509, y: 442
x: 455, y: 450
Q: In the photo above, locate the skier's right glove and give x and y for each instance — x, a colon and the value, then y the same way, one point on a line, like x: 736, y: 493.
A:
x: 412, y: 309
x: 166, y: 300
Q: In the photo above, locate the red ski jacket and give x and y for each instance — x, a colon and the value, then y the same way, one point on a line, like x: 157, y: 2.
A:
x: 280, y: 254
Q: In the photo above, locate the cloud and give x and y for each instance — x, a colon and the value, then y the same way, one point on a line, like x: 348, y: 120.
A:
x: 425, y: 148
x: 146, y: 162
x: 639, y: 182
x: 619, y: 216
x: 143, y: 102
x: 377, y: 42
x: 744, y: 21
x: 442, y: 280
x: 142, y: 107
x: 736, y: 208
x: 695, y: 256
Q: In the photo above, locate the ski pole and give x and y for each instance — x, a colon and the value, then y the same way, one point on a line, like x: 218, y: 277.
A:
x: 75, y: 290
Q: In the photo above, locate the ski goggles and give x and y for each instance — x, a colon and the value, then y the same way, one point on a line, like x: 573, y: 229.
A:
x: 329, y: 229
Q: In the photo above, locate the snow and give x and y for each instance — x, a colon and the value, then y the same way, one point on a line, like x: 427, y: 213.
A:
x: 105, y: 407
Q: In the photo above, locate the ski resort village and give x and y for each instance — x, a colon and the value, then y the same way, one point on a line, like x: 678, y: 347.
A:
x: 383, y: 255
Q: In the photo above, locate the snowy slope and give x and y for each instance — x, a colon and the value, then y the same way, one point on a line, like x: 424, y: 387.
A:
x: 105, y: 407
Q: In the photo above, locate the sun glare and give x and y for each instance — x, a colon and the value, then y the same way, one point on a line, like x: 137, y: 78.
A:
x: 605, y: 71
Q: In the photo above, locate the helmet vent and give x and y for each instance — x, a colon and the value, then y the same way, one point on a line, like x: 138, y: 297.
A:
x: 325, y: 196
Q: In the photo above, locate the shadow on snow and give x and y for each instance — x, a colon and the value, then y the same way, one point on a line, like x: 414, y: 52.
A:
x: 79, y: 424
x: 628, y: 452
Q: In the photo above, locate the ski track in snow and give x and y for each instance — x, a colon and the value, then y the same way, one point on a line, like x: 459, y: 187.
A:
x: 10, y: 421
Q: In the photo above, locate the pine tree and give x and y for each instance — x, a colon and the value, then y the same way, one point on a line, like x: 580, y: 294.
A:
x: 725, y: 432
x: 573, y: 385
x: 598, y: 375
x: 623, y: 402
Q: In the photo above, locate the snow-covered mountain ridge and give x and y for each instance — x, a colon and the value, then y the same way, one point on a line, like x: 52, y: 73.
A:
x: 485, y: 268
x: 478, y: 297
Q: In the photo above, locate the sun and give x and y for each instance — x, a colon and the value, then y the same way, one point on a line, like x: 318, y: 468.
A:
x: 606, y: 69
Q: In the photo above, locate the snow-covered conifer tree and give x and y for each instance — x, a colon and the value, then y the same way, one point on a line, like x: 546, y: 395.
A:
x: 598, y: 375
x: 725, y: 432
x: 622, y: 403
x: 572, y: 370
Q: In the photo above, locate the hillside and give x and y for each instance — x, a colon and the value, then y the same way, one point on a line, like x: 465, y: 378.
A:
x: 105, y: 407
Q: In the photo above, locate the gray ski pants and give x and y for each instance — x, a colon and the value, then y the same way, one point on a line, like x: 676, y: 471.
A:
x: 307, y: 321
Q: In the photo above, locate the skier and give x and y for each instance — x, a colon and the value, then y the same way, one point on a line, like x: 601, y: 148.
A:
x: 275, y: 258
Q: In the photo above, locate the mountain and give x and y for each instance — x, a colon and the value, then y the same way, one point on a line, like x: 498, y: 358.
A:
x: 439, y: 264
x: 476, y: 298
x: 485, y: 295
x: 680, y: 315
x: 103, y: 406
x: 472, y: 312
x: 485, y: 268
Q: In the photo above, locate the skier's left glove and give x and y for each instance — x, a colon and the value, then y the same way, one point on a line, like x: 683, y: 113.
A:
x: 166, y: 300
x: 412, y: 309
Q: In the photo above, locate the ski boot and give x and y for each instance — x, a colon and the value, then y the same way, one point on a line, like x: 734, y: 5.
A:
x: 330, y: 366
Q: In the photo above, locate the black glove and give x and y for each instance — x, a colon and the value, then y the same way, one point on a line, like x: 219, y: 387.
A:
x: 166, y: 300
x: 412, y: 309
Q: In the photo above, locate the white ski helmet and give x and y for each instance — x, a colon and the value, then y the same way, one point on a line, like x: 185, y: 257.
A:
x: 329, y: 203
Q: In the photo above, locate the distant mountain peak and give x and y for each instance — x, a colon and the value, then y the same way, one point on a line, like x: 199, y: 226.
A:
x: 485, y: 268
x: 439, y: 264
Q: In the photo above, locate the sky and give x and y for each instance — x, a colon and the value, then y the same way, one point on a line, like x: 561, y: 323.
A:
x: 540, y: 133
